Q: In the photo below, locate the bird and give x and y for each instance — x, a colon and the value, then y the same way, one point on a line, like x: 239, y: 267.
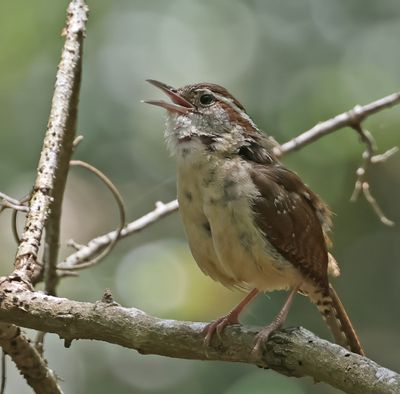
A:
x: 251, y: 223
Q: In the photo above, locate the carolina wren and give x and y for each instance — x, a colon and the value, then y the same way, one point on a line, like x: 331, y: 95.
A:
x: 250, y: 222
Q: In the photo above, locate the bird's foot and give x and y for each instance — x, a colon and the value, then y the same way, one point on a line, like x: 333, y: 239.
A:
x: 217, y: 326
x: 262, y: 337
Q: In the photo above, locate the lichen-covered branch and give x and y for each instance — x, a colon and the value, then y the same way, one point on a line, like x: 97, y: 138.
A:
x: 293, y: 352
x: 60, y: 135
x: 46, y: 199
x: 57, y: 147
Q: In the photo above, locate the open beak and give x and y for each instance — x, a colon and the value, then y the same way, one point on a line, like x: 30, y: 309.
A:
x: 179, y: 104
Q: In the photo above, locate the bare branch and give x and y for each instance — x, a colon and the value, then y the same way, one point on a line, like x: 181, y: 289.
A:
x: 46, y: 199
x: 61, y: 131
x: 362, y: 185
x: 346, y: 119
x: 14, y: 227
x: 45, y: 202
x: 27, y: 359
x: 78, y: 259
x: 375, y: 206
x: 16, y: 206
x: 11, y: 200
x: 21, y: 208
x: 351, y: 118
x: 293, y: 352
x: 384, y: 156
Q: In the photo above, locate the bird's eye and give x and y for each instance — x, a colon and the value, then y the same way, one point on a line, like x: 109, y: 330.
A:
x: 206, y: 99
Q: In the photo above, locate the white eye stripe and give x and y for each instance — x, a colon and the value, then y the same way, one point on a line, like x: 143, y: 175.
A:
x: 236, y: 108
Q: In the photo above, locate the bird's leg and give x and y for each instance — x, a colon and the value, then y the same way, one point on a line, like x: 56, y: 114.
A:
x: 231, y: 318
x: 277, y: 323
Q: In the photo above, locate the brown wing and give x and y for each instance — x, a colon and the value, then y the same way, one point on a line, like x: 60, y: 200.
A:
x: 288, y: 214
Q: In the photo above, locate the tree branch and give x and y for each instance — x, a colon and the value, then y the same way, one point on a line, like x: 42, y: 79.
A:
x: 28, y: 360
x: 293, y: 352
x: 369, y: 157
x: 60, y: 135
x: 45, y: 202
x: 346, y: 119
x: 352, y: 118
x: 46, y: 198
x: 95, y: 246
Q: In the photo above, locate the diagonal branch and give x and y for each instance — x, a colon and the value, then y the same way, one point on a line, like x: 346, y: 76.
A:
x: 351, y: 118
x: 84, y: 253
x: 9, y: 202
x: 33, y: 367
x: 293, y: 352
x: 346, y: 119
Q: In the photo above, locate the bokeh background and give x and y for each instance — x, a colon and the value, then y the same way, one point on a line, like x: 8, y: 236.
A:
x: 292, y: 64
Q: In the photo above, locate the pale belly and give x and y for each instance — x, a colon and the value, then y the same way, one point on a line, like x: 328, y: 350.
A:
x: 221, y: 233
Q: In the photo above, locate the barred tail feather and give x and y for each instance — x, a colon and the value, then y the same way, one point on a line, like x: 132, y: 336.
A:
x: 339, y: 322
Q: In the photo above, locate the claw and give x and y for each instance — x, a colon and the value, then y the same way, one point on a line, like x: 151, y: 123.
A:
x: 261, y: 339
x: 218, y: 326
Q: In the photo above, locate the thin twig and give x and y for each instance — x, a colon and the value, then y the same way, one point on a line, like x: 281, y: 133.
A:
x: 14, y: 215
x: 121, y: 208
x: 17, y: 205
x: 353, y: 119
x: 78, y: 259
x: 349, y: 118
x: 8, y: 204
x: 14, y: 227
x: 384, y: 156
x: 375, y: 206
x: 78, y: 139
x: 5, y: 197
x: 367, y: 139
x: 361, y: 184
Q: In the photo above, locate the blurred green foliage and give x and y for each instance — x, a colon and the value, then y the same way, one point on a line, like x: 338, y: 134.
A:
x: 292, y: 64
